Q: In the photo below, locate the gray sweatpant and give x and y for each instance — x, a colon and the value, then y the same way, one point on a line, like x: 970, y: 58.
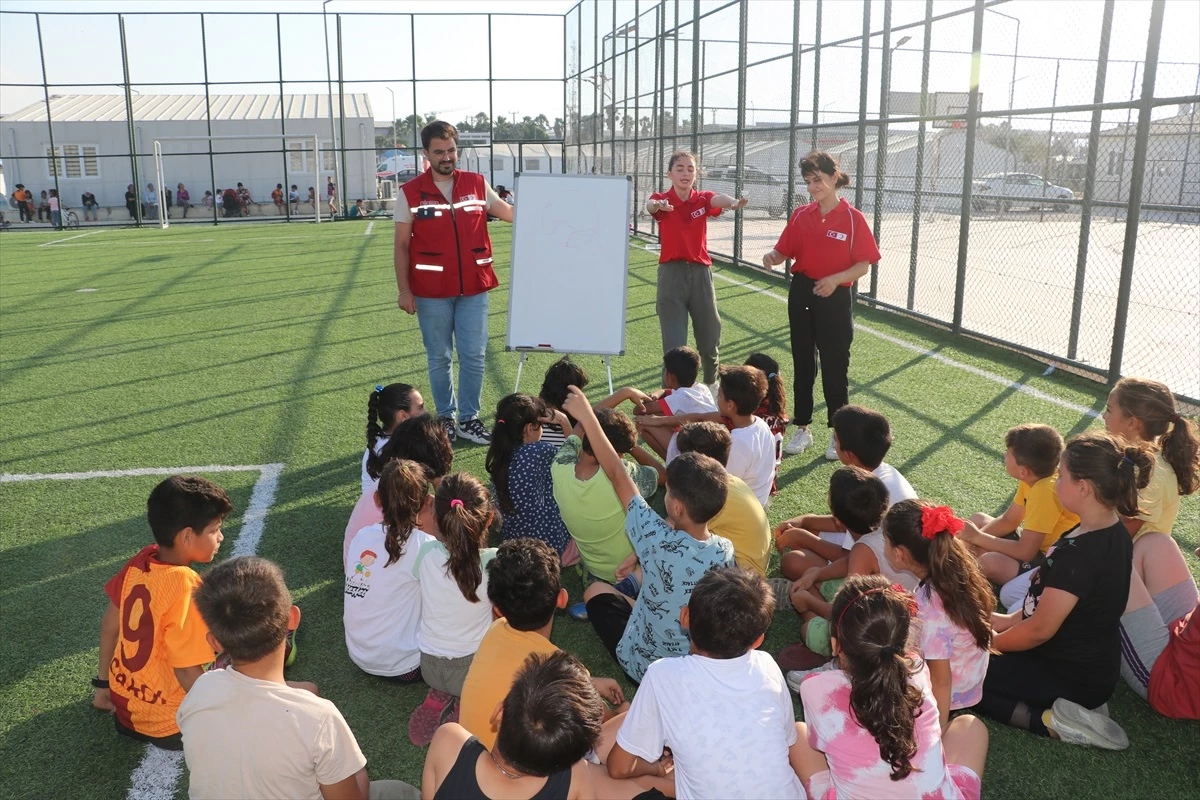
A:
x: 687, y: 289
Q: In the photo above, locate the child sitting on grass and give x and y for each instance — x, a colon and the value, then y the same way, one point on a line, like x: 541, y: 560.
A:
x: 525, y: 588
x: 673, y: 556
x: 871, y: 727
x: 742, y: 520
x: 246, y: 731
x: 421, y: 439
x: 559, y: 376
x: 1017, y: 542
x: 773, y: 409
x: 153, y: 646
x: 681, y: 394
x: 954, y: 600
x: 724, y: 709
x: 387, y: 407
x: 519, y: 463
x: 381, y: 595
x: 455, y: 611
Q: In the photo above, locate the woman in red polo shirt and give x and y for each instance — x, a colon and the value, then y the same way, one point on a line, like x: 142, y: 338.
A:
x: 685, y: 284
x: 831, y: 247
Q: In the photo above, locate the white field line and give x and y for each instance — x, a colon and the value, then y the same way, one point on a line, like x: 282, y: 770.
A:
x: 158, y: 774
x: 126, y: 244
x: 69, y: 238
x: 950, y: 362
x: 370, y: 225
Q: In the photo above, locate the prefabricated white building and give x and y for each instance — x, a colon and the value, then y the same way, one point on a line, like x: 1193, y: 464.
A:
x: 92, y: 143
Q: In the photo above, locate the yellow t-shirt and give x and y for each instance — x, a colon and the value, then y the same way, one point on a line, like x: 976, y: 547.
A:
x: 1160, y: 498
x: 1043, y: 511
x: 500, y: 656
x: 744, y: 523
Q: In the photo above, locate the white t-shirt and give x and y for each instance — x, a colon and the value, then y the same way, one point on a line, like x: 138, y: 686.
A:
x: 369, y: 483
x: 451, y: 625
x: 248, y: 738
x: 404, y: 214
x: 382, y: 604
x: 728, y: 722
x: 694, y: 399
x: 898, y: 489
x: 752, y: 457
x: 53, y: 204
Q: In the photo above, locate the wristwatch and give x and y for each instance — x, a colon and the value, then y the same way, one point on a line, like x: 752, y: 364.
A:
x: 99, y: 683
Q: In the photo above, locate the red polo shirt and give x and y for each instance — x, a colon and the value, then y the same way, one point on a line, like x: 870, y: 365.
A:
x: 822, y: 246
x: 683, y: 233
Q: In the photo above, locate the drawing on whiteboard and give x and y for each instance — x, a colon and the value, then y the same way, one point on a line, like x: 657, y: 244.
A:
x: 563, y: 231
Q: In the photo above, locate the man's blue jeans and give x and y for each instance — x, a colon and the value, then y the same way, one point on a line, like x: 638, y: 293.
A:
x: 447, y: 322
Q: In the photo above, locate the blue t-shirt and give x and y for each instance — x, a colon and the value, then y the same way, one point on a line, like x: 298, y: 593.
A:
x: 531, y: 490
x: 672, y: 564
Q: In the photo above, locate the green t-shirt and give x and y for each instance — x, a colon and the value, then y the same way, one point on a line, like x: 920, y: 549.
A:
x: 592, y: 512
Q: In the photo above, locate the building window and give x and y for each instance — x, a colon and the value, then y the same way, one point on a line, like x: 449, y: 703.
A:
x: 72, y: 161
x: 1114, y: 161
x: 328, y: 157
x: 533, y: 165
x: 300, y: 157
x: 498, y: 164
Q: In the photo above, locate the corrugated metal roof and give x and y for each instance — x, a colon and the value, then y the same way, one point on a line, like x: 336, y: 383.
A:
x: 183, y: 107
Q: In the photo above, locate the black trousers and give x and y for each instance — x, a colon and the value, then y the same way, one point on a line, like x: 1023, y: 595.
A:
x: 1027, y: 679
x: 822, y: 327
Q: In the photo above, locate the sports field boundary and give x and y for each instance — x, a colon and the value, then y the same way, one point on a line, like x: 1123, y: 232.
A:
x: 157, y: 775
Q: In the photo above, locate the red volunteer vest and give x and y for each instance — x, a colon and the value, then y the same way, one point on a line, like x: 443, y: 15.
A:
x: 449, y: 253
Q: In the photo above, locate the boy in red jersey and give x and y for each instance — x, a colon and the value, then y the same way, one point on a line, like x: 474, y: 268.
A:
x: 153, y: 643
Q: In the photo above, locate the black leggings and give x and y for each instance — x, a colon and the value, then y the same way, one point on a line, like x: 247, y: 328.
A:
x: 824, y: 326
x: 1019, y: 687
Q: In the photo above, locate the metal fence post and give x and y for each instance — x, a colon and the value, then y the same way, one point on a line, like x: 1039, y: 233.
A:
x: 287, y: 205
x: 743, y: 46
x: 491, y: 148
x: 637, y: 114
x: 54, y: 155
x: 860, y: 153
x: 793, y: 111
x: 1187, y: 148
x: 911, y: 299
x: 964, y: 218
x: 816, y: 108
x: 341, y: 179
x: 881, y: 135
x: 212, y: 165
x: 1134, y: 210
x: 1049, y: 140
x: 1089, y: 179
x: 416, y: 117
x: 697, y: 112
x: 133, y: 162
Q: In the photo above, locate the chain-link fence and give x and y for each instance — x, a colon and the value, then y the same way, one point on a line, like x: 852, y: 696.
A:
x: 263, y: 116
x: 1043, y: 193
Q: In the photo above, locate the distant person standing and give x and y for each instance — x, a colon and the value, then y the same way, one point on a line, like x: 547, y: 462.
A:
x: 44, y: 206
x: 294, y: 198
x: 21, y: 198
x: 55, y: 213
x: 443, y: 261
x: 331, y: 196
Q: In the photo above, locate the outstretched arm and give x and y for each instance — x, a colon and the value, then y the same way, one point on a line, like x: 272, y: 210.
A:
x: 725, y: 201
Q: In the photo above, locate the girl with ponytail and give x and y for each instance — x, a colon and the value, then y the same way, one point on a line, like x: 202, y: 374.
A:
x: 882, y: 689
x: 382, y: 602
x: 1059, y: 654
x: 456, y: 612
x: 954, y: 600
x: 387, y: 407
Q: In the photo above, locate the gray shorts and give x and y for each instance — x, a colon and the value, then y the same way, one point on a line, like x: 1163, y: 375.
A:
x: 1144, y: 633
x: 445, y: 674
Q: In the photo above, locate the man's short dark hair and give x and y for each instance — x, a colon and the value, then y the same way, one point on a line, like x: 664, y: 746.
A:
x: 700, y: 483
x: 524, y: 580
x: 864, y: 433
x: 745, y: 387
x: 858, y: 499
x: 729, y: 609
x: 184, y: 501
x: 245, y: 604
x: 438, y: 130
x: 707, y: 438
x: 683, y: 363
x: 1035, y: 447
x: 421, y: 439
x: 552, y: 715
x: 618, y: 429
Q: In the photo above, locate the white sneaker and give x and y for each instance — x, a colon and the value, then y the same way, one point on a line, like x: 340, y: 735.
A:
x: 796, y: 676
x: 801, y: 440
x: 831, y: 452
x: 1075, y: 724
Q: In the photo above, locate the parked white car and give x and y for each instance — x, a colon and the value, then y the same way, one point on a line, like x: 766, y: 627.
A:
x: 1004, y: 190
x: 765, y: 191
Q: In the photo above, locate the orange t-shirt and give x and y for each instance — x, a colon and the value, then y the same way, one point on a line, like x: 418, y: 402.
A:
x: 160, y: 629
x: 500, y: 657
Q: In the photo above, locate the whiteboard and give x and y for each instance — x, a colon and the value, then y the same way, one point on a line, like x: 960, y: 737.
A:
x: 570, y: 259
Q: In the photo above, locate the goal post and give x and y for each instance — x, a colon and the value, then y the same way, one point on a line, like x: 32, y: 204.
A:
x: 164, y: 220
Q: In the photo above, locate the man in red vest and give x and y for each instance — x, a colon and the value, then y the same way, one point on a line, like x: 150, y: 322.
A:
x: 443, y: 260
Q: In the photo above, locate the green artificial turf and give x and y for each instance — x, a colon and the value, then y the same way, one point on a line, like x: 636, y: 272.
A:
x: 258, y: 344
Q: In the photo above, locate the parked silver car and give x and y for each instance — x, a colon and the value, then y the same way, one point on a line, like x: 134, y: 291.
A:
x: 765, y: 191
x: 1004, y: 190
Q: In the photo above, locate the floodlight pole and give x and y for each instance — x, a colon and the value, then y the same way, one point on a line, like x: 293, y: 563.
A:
x: 1012, y: 85
x: 395, y: 138
x: 329, y: 92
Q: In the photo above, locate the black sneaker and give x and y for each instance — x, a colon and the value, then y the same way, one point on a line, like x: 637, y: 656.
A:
x: 474, y: 431
x: 449, y: 427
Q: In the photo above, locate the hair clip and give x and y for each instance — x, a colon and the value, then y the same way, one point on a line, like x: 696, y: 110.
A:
x: 1127, y: 460
x: 379, y: 387
x: 770, y: 375
x: 456, y: 503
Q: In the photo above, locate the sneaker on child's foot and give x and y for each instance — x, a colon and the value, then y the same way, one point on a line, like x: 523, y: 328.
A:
x: 801, y: 440
x: 449, y: 427
x: 782, y: 589
x: 474, y: 431
x: 428, y: 716
x: 797, y: 675
x: 1077, y: 725
x: 831, y: 451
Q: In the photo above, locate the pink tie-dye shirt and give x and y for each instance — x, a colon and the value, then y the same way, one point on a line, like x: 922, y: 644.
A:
x: 942, y: 640
x: 856, y: 769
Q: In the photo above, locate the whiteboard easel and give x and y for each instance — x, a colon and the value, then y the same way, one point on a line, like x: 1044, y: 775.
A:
x: 570, y: 264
